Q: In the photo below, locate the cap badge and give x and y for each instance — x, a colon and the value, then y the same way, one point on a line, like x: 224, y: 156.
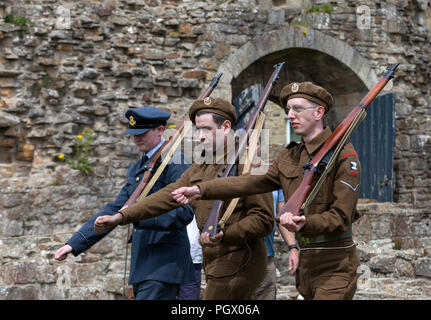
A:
x: 207, y: 101
x: 132, y: 121
x: 295, y: 87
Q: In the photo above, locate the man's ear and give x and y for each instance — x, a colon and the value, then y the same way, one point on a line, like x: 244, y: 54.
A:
x: 320, y: 112
x: 226, y: 126
x: 160, y: 130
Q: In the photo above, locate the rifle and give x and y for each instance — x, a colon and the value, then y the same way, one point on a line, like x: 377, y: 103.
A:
x: 336, y: 140
x: 169, y: 146
x: 212, y: 223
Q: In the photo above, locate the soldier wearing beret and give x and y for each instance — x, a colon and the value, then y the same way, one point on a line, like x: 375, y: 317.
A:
x: 234, y: 265
x: 160, y: 253
x: 328, y: 259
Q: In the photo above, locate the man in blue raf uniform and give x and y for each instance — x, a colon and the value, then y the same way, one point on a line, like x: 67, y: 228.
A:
x: 160, y: 259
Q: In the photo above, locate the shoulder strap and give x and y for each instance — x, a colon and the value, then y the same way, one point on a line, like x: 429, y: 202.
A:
x: 333, y: 158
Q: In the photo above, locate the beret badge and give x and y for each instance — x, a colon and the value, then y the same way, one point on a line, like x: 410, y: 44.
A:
x: 295, y: 87
x: 132, y: 121
x: 207, y: 101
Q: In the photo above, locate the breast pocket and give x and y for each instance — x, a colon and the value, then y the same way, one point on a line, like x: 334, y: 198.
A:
x: 131, y: 184
x: 290, y: 175
x: 160, y: 183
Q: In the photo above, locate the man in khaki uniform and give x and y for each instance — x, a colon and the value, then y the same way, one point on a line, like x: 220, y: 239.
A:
x: 235, y: 265
x: 328, y: 259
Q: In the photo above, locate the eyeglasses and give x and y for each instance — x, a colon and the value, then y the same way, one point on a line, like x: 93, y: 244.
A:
x: 297, y: 109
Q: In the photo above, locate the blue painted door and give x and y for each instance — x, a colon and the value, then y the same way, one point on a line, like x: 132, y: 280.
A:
x: 245, y: 102
x: 374, y: 142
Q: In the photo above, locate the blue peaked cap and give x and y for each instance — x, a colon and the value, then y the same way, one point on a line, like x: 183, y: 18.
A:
x: 143, y: 119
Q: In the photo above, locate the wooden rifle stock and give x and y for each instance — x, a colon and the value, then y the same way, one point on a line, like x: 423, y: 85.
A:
x: 165, y: 147
x: 293, y: 205
x: 213, y: 219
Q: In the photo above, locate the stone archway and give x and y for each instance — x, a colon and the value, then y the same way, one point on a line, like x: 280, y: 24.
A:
x: 278, y: 41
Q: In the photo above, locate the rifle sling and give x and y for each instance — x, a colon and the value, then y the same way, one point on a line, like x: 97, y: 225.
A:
x: 322, y: 165
x: 166, y: 160
x: 333, y: 158
x: 250, y: 155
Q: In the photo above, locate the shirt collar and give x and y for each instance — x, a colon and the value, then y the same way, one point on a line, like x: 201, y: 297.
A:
x: 317, y: 141
x: 150, y: 153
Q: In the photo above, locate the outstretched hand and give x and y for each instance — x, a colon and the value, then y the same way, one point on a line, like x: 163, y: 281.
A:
x: 103, y: 223
x: 63, y: 252
x: 185, y: 195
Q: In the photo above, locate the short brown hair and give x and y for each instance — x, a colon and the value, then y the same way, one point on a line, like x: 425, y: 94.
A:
x: 218, y: 119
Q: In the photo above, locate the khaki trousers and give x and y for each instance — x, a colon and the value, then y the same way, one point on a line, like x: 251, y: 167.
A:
x: 242, y: 284
x: 329, y: 273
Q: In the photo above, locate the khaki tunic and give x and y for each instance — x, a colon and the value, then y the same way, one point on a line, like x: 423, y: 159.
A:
x: 235, y: 267
x: 330, y: 214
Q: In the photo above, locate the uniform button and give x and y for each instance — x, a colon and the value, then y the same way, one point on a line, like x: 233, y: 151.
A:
x: 134, y: 231
x: 137, y: 179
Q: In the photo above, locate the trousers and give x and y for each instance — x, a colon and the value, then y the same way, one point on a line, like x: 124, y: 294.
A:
x: 328, y: 273
x: 155, y: 290
x: 242, y: 284
x: 192, y: 291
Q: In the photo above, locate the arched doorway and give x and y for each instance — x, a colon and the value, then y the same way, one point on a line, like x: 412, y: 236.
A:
x: 309, y: 56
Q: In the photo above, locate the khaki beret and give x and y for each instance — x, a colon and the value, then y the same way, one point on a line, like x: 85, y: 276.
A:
x: 309, y: 91
x: 213, y: 105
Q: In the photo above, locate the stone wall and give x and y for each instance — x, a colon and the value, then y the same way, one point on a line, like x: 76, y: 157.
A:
x: 393, y: 242
x: 395, y: 239
x: 30, y: 272
x: 67, y: 66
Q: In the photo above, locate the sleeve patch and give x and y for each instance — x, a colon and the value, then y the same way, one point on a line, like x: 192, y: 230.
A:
x: 351, y: 154
x: 353, y: 167
x: 349, y: 185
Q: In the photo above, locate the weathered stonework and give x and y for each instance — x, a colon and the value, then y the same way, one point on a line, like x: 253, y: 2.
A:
x: 77, y: 65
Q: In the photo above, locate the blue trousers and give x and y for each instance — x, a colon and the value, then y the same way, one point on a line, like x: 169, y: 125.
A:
x: 192, y: 291
x: 155, y: 290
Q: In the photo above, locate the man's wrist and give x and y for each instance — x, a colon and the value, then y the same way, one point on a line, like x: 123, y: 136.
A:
x: 198, y: 191
x: 120, y: 218
x: 293, y: 246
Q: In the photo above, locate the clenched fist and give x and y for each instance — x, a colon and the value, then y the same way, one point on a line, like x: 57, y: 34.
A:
x: 103, y: 223
x: 185, y: 195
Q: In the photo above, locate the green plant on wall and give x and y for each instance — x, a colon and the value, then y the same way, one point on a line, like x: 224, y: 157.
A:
x: 322, y: 8
x: 80, y: 159
x: 48, y: 82
x: 21, y: 22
